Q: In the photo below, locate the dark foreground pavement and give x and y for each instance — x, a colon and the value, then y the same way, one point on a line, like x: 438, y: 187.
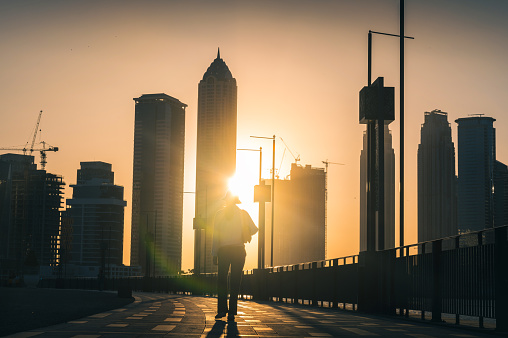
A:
x: 23, y: 309
x: 162, y: 315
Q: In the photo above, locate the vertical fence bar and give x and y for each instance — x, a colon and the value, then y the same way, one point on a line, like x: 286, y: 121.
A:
x: 457, y: 278
x: 297, y: 269
x: 481, y: 281
x: 436, y: 275
x: 335, y: 269
x: 314, y: 266
x: 501, y: 279
x: 407, y: 281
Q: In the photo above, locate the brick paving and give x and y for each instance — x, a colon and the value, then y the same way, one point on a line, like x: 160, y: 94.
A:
x: 162, y: 315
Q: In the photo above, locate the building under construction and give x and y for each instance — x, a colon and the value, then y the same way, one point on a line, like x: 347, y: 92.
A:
x: 30, y: 200
x: 299, y: 233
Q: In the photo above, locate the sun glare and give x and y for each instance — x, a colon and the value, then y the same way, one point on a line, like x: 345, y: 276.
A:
x: 242, y: 184
x: 241, y: 187
x: 246, y: 177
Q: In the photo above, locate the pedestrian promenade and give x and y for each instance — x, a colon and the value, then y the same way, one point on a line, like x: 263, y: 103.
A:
x: 163, y: 315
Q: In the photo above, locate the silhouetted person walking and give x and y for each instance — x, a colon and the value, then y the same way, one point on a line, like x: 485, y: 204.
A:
x: 233, y: 227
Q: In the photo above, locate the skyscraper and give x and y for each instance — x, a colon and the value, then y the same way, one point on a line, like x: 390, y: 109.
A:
x: 97, y: 212
x: 500, y: 194
x: 216, y: 154
x: 157, y: 187
x: 477, y: 154
x: 389, y: 172
x: 299, y: 233
x: 437, y: 189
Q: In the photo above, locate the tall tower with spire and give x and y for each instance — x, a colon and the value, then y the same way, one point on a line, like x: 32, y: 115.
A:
x: 216, y: 154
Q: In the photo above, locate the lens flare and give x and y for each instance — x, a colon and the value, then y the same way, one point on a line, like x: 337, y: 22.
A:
x: 242, y: 188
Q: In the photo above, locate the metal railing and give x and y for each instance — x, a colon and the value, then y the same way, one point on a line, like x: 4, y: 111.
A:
x: 455, y: 275
x: 462, y: 275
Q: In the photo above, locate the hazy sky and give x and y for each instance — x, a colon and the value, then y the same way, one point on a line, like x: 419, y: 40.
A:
x: 299, y: 66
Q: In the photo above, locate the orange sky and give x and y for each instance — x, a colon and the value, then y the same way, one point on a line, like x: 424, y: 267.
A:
x: 299, y: 66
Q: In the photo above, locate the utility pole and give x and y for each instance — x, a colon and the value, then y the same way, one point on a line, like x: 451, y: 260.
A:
x: 273, y: 194
x: 401, y: 35
x: 380, y: 137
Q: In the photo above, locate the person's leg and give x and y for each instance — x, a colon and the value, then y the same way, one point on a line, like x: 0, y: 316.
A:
x: 237, y: 263
x: 222, y: 283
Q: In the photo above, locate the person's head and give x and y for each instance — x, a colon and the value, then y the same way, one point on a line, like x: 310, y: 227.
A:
x: 231, y: 199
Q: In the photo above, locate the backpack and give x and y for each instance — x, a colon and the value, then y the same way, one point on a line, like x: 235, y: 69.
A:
x: 248, y: 227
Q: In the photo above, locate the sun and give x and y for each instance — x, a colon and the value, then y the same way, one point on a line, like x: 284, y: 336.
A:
x: 242, y: 187
x: 246, y: 177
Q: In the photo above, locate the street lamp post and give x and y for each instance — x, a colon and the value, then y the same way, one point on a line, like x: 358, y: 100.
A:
x: 197, y: 243
x: 380, y: 138
x: 261, y: 237
x: 273, y: 194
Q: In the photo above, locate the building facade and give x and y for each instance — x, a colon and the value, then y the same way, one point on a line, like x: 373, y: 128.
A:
x: 500, y: 194
x: 30, y: 202
x: 437, y: 183
x: 299, y: 233
x: 96, y: 215
x: 389, y: 172
x: 476, y: 157
x: 216, y: 154
x: 157, y: 188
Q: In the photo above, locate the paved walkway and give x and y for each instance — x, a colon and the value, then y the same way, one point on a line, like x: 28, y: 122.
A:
x: 162, y: 315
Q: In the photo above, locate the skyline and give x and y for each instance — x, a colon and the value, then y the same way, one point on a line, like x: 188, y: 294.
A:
x: 77, y: 60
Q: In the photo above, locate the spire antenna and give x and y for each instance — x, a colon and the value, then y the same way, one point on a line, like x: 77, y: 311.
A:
x: 218, y: 52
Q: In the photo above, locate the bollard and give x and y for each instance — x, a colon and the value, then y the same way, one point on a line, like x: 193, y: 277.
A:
x: 124, y: 288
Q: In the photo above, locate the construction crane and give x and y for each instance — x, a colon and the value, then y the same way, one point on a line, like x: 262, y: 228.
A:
x: 36, y: 130
x: 297, y: 158
x: 327, y: 163
x: 42, y: 150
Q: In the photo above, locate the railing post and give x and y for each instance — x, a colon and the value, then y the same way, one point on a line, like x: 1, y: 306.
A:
x: 368, y: 282
x: 421, y: 250
x: 280, y: 274
x: 389, y: 271
x: 259, y: 276
x: 406, y: 301
x: 479, y: 267
x: 335, y: 267
x: 297, y: 274
x: 436, y: 282
x: 314, y: 291
x: 501, y: 278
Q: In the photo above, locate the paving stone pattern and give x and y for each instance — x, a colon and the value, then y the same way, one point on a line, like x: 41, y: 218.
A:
x: 162, y: 315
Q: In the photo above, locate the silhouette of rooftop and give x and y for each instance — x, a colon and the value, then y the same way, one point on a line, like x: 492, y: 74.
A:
x: 475, y: 117
x: 436, y: 112
x: 158, y: 97
x: 218, y: 69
